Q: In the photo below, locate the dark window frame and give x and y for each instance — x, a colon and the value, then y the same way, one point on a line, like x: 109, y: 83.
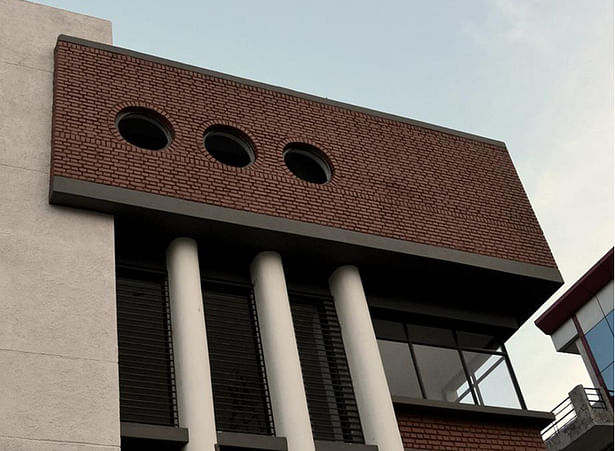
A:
x: 472, y: 384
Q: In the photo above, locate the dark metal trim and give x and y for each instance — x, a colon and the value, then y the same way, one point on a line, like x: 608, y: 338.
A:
x: 470, y: 380
x: 513, y: 377
x: 449, y: 312
x: 322, y: 445
x: 108, y: 199
x: 252, y: 441
x: 589, y: 352
x: 152, y: 432
x: 286, y: 91
x: 537, y: 417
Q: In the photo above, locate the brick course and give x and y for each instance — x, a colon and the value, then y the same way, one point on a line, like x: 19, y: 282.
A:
x: 391, y: 178
x: 433, y: 432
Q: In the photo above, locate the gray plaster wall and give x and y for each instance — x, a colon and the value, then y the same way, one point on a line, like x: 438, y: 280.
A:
x: 58, y: 343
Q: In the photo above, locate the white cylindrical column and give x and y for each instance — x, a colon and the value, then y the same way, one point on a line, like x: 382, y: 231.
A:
x: 288, y: 401
x: 370, y: 385
x: 192, y: 373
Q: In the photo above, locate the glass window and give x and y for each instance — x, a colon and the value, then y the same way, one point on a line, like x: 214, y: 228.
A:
x: 480, y: 341
x: 430, y: 335
x: 389, y: 330
x: 491, y: 379
x: 600, y: 339
x: 446, y: 365
x: 609, y: 318
x: 399, y: 369
x: 442, y: 374
x: 607, y: 375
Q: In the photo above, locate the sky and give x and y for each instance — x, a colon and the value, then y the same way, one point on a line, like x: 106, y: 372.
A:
x: 536, y: 74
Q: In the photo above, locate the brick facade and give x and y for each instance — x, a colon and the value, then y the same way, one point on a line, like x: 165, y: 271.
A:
x: 464, y: 432
x: 390, y: 178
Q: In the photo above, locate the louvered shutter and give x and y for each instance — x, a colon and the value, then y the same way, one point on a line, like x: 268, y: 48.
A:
x: 241, y: 399
x: 330, y: 395
x: 147, y: 384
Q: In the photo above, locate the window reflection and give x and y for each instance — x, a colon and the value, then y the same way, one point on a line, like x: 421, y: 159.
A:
x: 446, y: 365
x: 600, y: 339
x: 399, y: 369
x: 430, y: 335
x: 479, y: 341
x: 491, y: 380
x: 442, y: 374
x: 609, y: 318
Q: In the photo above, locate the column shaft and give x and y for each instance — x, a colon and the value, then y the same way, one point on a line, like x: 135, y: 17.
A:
x: 288, y: 401
x: 192, y: 371
x: 368, y: 378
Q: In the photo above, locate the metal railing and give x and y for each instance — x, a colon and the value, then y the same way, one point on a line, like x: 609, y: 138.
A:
x: 565, y: 412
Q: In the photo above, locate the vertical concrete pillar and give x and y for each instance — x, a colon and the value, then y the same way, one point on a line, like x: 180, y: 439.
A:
x: 192, y: 373
x: 288, y: 401
x: 370, y: 385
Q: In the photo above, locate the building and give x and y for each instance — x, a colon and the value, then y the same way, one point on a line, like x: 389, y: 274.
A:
x: 359, y: 272
x: 581, y: 322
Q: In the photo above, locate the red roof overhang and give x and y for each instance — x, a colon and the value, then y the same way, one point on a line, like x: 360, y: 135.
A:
x: 577, y: 295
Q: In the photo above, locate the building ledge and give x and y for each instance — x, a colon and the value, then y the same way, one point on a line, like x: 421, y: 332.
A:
x: 534, y: 417
x: 144, y: 436
x: 322, y: 445
x: 251, y: 441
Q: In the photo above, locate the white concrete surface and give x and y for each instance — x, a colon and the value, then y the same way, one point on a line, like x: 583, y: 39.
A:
x: 368, y: 378
x: 57, y: 281
x: 564, y: 335
x: 29, y: 32
x: 46, y: 397
x: 605, y: 298
x: 195, y: 402
x: 19, y: 444
x: 58, y: 345
x: 288, y: 401
x: 589, y: 315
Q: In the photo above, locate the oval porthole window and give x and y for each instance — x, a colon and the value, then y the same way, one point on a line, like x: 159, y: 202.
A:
x: 307, y: 163
x: 144, y: 128
x: 229, y: 146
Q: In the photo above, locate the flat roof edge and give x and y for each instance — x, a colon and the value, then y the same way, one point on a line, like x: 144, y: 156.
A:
x: 282, y: 90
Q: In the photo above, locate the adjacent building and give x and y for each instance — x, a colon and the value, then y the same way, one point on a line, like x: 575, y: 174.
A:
x: 581, y: 322
x: 196, y: 261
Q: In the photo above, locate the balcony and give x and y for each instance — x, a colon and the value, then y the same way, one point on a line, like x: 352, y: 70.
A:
x: 583, y: 421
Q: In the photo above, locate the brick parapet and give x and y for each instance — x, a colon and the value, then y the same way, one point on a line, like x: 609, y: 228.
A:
x: 445, y: 432
x: 391, y: 178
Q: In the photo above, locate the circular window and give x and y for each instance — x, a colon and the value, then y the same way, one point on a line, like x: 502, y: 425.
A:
x: 307, y: 163
x: 144, y: 128
x: 229, y: 146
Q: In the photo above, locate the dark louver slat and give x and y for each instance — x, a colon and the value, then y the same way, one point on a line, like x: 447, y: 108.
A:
x: 241, y: 399
x: 147, y: 382
x: 328, y: 387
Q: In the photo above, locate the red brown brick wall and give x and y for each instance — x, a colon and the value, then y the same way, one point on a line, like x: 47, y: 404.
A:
x: 432, y: 432
x: 391, y: 178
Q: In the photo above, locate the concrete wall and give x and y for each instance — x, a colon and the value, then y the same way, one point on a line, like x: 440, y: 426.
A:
x: 596, y: 308
x: 58, y: 345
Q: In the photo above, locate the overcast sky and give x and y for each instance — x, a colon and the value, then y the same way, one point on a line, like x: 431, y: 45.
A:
x: 535, y: 74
